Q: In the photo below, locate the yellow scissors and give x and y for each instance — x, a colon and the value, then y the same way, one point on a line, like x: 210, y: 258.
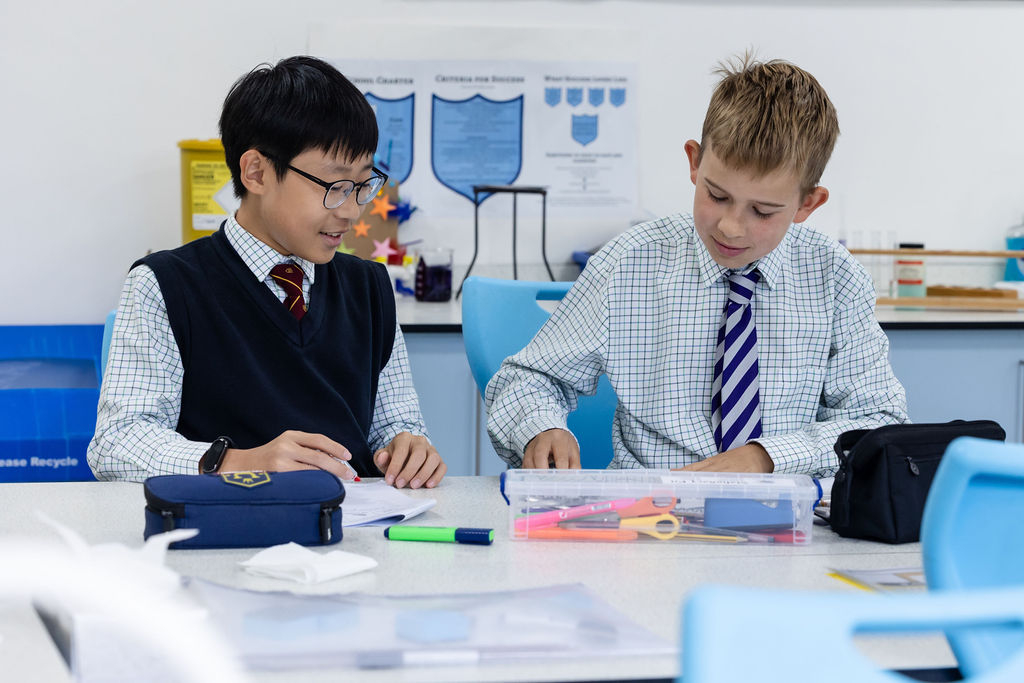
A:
x: 667, y: 527
x: 662, y: 527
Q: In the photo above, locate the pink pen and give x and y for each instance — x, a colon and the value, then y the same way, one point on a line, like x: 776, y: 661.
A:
x: 553, y: 517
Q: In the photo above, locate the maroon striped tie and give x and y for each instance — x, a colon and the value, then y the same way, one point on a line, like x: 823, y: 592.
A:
x: 289, y: 276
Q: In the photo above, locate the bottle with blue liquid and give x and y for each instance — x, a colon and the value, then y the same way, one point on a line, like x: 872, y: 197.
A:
x: 1015, y: 242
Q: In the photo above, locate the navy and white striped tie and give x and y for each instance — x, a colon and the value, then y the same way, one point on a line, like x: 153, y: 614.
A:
x: 735, y: 400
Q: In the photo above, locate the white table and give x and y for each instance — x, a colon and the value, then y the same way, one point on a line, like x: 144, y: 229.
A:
x: 646, y: 581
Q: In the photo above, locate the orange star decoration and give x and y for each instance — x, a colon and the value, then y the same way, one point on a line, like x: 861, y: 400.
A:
x: 382, y: 207
x: 361, y: 228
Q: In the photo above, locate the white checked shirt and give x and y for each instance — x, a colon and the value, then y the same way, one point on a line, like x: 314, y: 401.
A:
x: 140, y: 399
x: 646, y: 312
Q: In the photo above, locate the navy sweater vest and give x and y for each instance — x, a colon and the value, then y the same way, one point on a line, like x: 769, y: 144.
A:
x: 252, y: 371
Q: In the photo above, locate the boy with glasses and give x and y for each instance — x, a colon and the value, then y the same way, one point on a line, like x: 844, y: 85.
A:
x: 261, y: 347
x: 735, y: 340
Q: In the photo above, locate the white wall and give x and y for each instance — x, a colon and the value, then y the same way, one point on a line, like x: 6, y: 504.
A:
x: 96, y: 95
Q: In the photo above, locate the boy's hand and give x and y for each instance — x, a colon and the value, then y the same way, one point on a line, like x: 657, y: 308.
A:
x: 410, y: 460
x: 751, y: 457
x: 555, y: 447
x: 292, y: 450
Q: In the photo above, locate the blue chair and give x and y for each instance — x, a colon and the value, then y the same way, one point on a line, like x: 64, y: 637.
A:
x: 735, y: 634
x: 108, y: 331
x: 972, y: 536
x: 499, y: 318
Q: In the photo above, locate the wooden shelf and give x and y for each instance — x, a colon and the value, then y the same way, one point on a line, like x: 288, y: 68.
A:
x: 964, y: 302
x: 937, y: 252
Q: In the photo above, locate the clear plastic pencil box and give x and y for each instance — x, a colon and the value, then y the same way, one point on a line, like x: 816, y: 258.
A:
x: 659, y: 506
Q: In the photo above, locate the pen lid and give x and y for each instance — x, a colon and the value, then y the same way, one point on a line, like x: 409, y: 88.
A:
x: 501, y: 480
x: 472, y: 535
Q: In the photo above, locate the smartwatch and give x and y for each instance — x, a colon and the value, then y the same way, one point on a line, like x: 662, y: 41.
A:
x: 214, y: 455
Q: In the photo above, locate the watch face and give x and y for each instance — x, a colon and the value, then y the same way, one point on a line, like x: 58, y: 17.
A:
x: 210, y: 462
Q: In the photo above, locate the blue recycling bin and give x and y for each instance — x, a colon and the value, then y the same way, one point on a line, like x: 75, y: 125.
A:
x: 49, y: 388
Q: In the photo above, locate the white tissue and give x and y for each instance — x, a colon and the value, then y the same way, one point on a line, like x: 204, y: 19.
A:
x: 294, y: 562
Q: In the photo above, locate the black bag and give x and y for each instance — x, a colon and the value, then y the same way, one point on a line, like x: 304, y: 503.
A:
x: 885, y: 473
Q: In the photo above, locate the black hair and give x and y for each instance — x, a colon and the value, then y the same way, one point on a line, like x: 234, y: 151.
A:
x: 300, y: 103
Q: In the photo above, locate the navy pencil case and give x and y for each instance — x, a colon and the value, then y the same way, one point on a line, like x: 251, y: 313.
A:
x: 246, y: 509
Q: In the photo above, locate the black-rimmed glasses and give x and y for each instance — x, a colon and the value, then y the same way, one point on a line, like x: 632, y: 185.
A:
x: 337, y: 192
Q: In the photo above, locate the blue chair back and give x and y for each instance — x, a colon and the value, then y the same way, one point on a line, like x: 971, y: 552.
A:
x: 499, y: 318
x: 771, y: 636
x: 108, y: 330
x: 972, y: 535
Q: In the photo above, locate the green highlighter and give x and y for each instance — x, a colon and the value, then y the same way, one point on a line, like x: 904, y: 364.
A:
x: 440, y: 534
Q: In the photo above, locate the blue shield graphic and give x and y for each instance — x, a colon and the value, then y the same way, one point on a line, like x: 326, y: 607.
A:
x: 552, y: 96
x: 395, y: 142
x: 477, y: 141
x: 595, y: 96
x: 584, y: 128
x: 617, y: 96
x: 574, y: 96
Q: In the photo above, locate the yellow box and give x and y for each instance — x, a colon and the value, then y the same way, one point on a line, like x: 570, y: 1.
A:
x: 206, y: 192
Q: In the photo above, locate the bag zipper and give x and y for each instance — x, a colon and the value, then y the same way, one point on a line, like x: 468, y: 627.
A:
x: 912, y: 466
x: 326, y: 532
x: 167, y: 510
x: 326, y: 511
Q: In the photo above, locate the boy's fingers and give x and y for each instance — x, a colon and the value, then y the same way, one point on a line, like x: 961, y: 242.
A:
x: 414, y: 463
x: 560, y: 453
x: 437, y: 476
x: 536, y: 455
x: 399, y: 454
x: 432, y: 471
x: 574, y: 457
x: 540, y: 451
x: 381, y: 459
x: 320, y: 459
x: 320, y: 442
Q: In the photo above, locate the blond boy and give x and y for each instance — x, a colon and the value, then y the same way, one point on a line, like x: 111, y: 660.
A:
x: 735, y: 338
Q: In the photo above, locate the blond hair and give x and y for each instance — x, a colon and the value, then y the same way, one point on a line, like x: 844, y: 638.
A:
x: 766, y: 116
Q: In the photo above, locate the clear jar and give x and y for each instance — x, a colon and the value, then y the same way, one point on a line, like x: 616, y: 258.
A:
x: 1015, y: 242
x: 434, y: 275
x: 910, y: 273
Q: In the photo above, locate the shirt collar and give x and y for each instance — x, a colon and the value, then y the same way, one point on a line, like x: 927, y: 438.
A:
x: 260, y: 257
x: 769, y: 266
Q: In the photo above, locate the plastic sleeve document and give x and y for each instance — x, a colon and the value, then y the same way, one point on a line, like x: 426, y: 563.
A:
x: 360, y: 631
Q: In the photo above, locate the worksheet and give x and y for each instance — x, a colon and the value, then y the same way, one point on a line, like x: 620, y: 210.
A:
x: 378, y: 504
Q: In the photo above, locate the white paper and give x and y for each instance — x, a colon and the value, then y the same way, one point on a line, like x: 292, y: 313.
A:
x: 294, y: 562
x: 885, y: 580
x: 378, y: 504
